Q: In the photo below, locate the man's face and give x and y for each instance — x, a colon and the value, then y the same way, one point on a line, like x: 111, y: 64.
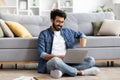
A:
x: 57, y: 23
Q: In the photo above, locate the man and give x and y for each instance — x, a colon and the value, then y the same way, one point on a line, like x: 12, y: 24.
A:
x: 52, y: 45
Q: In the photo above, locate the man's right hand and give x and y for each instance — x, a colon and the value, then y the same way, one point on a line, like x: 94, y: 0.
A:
x: 60, y: 56
x: 49, y: 56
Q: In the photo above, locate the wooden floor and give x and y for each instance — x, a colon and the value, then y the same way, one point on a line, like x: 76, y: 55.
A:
x: 107, y: 73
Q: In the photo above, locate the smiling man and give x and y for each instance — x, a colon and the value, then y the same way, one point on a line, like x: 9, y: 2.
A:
x: 52, y: 45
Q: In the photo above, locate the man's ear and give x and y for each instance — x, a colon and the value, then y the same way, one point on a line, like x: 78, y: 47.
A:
x: 52, y: 20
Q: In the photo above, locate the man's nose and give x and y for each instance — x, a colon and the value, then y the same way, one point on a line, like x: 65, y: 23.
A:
x: 60, y: 24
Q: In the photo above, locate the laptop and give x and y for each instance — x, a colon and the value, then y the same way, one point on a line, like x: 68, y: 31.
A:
x: 75, y: 56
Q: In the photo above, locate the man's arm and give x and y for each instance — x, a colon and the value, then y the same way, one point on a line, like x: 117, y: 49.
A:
x: 83, y: 42
x: 81, y: 36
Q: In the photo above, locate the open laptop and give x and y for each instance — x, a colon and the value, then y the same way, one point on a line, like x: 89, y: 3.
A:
x: 75, y: 56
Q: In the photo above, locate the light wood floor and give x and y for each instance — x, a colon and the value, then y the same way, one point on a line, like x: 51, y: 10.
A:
x: 107, y: 73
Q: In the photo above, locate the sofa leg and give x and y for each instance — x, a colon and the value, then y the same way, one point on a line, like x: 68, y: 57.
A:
x: 1, y: 66
x: 112, y: 63
x: 108, y: 64
x: 15, y: 66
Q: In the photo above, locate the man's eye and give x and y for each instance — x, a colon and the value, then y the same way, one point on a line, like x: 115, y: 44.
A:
x: 59, y: 21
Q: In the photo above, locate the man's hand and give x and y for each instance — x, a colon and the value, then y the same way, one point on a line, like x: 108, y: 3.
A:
x: 83, y: 42
x: 60, y: 56
x: 49, y: 56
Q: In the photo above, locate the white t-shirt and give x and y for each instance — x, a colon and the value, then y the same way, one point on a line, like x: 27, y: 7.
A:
x: 59, y: 47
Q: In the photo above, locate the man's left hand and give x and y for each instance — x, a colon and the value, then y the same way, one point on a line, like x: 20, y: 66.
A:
x: 83, y: 42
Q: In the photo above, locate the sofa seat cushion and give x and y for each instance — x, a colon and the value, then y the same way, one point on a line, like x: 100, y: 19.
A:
x: 104, y: 53
x: 18, y: 55
x: 102, y: 41
x: 18, y: 43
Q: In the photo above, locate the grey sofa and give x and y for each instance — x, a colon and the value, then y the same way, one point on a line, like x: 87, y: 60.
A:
x: 25, y: 49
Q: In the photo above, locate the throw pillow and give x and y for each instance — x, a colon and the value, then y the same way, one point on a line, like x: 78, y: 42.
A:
x: 96, y: 27
x: 7, y: 32
x: 1, y: 33
x: 110, y: 28
x: 18, y: 29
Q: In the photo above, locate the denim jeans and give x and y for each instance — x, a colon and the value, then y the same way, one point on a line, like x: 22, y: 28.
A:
x: 70, y: 69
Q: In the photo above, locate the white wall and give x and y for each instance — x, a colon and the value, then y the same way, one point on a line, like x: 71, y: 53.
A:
x: 45, y: 6
x: 87, y: 5
x: 83, y: 6
x: 10, y: 3
x: 80, y: 6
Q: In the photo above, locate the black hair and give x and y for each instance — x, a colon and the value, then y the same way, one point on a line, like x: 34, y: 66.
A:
x: 57, y: 12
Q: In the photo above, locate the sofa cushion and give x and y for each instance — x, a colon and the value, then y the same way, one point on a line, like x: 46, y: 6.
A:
x: 18, y: 55
x: 96, y: 27
x: 18, y: 29
x: 104, y: 53
x: 1, y: 33
x: 82, y: 21
x: 18, y: 43
x: 34, y: 24
x: 5, y: 28
x: 101, y: 41
x: 110, y: 27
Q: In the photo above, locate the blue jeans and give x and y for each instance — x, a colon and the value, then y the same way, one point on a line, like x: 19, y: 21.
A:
x: 70, y: 69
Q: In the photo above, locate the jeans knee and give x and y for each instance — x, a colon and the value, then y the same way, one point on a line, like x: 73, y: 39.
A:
x: 54, y: 61
x: 90, y: 59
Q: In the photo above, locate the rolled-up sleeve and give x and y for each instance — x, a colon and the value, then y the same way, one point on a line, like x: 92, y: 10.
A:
x: 82, y: 35
x: 43, y: 55
x: 79, y: 34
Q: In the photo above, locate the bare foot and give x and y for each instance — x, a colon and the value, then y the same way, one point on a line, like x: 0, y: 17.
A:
x: 79, y: 72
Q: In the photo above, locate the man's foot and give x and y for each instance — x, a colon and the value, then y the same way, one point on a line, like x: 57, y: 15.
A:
x: 91, y: 71
x: 56, y: 73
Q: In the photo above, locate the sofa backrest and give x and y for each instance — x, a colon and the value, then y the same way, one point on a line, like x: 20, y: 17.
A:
x: 76, y: 21
x: 82, y: 21
x: 34, y: 24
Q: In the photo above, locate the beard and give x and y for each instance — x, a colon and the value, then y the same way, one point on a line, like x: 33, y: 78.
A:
x: 57, y: 27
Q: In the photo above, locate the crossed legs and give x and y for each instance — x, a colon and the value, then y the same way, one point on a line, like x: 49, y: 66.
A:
x: 72, y: 70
